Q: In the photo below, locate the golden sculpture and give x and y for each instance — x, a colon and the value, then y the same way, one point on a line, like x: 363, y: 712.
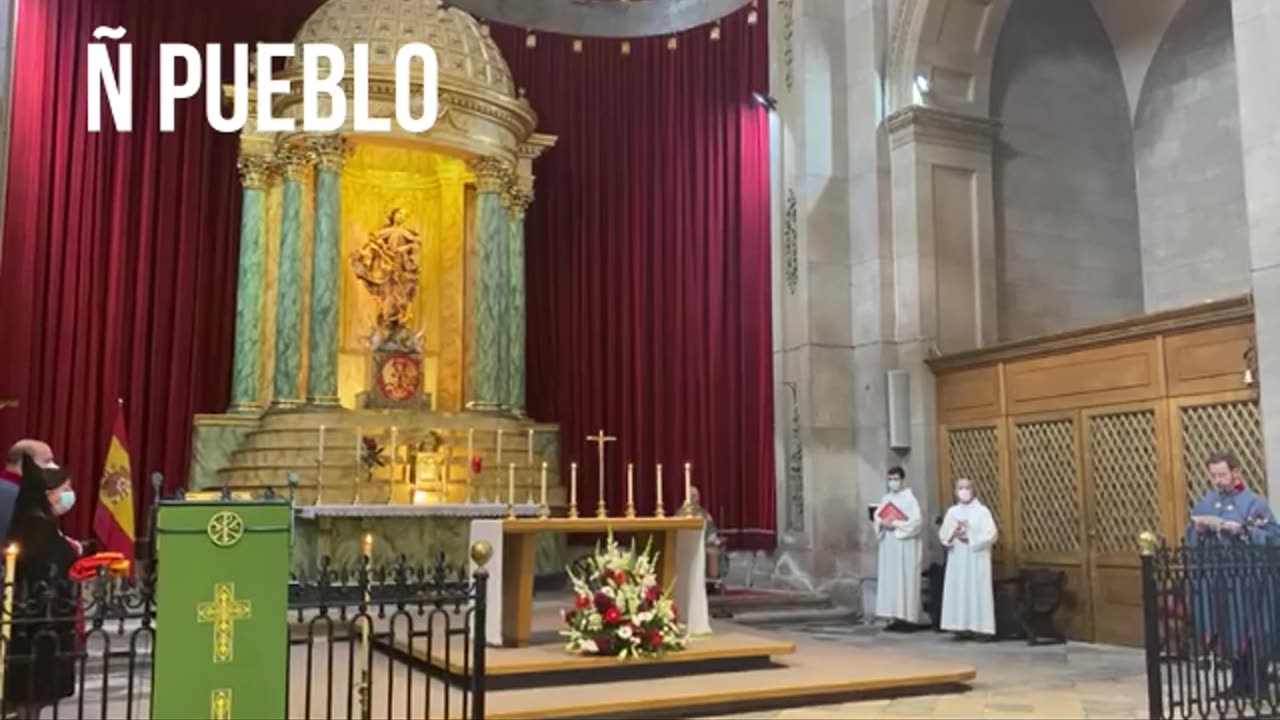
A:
x: 387, y: 264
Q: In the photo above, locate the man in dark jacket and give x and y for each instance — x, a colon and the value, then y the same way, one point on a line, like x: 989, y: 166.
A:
x: 11, y: 476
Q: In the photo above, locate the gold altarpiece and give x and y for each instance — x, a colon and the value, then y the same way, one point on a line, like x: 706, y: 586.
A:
x: 303, y: 318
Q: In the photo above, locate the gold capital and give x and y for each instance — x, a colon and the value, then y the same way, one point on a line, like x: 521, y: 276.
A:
x: 330, y: 151
x: 255, y: 170
x: 516, y: 199
x: 295, y: 161
x: 491, y: 173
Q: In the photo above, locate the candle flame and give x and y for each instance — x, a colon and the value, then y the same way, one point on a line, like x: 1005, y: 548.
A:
x: 12, y: 550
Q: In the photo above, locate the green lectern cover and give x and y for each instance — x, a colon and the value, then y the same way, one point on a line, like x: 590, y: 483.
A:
x: 221, y: 610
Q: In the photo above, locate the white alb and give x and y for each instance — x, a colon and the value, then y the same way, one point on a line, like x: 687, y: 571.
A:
x: 898, y: 567
x: 968, y: 599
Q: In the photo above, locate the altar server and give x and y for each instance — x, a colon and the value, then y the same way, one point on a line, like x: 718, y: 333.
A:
x: 898, y: 523
x: 968, y: 598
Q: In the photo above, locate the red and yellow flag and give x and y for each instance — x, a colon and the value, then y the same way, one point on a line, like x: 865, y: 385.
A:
x: 113, y: 518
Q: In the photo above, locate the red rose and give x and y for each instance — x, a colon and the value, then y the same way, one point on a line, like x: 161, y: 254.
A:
x: 603, y: 602
x: 570, y: 616
x: 582, y: 602
x: 655, y: 639
x: 619, y: 577
x: 475, y: 464
x: 651, y: 594
x: 612, y: 615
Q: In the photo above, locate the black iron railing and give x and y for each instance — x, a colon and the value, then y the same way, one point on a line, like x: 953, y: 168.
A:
x: 78, y: 648
x: 1211, y: 614
x: 403, y: 640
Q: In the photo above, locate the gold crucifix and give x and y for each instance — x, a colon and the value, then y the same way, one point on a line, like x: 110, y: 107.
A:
x: 223, y: 611
x: 600, y: 439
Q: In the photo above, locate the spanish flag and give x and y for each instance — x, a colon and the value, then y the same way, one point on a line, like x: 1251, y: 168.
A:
x: 113, y: 518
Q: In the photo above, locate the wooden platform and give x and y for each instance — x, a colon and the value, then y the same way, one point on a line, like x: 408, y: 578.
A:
x: 734, y: 669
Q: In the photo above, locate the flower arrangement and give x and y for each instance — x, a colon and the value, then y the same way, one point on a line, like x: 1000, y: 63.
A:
x: 618, y: 607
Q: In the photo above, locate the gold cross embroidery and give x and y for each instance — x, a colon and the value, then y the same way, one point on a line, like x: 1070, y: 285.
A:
x: 223, y: 611
x: 220, y: 704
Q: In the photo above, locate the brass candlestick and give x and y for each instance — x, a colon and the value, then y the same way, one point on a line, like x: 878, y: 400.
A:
x: 631, y: 486
x: 660, y: 510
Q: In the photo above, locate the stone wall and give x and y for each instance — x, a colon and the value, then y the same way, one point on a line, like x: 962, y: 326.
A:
x: 1195, y: 233
x: 1066, y: 206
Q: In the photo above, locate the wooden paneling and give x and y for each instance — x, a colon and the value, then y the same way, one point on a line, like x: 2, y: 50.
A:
x: 1127, y: 372
x: 1097, y: 435
x: 1207, y: 361
x: 968, y: 395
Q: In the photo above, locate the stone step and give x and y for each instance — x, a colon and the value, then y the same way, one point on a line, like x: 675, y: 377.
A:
x: 832, y: 616
x: 739, y: 601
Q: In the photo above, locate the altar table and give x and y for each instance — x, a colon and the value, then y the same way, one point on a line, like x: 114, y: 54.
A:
x: 509, y: 596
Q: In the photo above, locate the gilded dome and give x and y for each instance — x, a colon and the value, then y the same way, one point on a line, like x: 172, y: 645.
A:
x: 466, y: 53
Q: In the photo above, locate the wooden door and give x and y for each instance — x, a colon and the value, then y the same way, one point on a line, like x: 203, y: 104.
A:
x: 1049, y: 513
x: 1127, y: 491
x: 979, y: 451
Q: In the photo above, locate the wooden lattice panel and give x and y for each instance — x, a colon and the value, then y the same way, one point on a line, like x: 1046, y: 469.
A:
x: 1049, y: 502
x: 1206, y: 429
x: 1125, y: 474
x: 975, y: 454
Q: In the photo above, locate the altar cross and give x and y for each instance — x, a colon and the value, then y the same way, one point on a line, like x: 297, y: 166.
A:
x: 600, y: 439
x: 223, y: 612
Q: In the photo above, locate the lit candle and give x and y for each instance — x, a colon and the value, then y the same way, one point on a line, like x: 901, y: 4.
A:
x: 367, y: 545
x: 359, y: 450
x: 499, y: 447
x: 543, y: 500
x: 659, y: 484
x: 573, y: 483
x: 529, y: 456
x: 320, y: 450
x: 511, y: 483
x: 471, y: 445
x: 688, y: 483
x: 631, y: 476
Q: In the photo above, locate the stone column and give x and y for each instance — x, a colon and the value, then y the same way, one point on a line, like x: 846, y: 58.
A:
x: 513, y: 395
x: 286, y: 390
x: 254, y: 174
x: 322, y: 368
x: 943, y: 279
x: 1257, y: 56
x: 486, y: 287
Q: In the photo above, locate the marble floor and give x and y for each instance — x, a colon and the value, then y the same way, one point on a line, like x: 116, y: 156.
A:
x: 1014, y: 681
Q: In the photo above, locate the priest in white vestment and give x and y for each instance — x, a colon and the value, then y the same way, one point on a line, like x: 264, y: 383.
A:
x: 898, y: 523
x: 968, y: 598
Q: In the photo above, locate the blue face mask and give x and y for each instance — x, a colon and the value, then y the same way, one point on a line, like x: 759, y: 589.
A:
x: 63, y: 503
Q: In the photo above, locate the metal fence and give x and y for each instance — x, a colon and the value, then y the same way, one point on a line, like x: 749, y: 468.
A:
x: 77, y: 648
x: 1212, y: 629
x: 400, y: 641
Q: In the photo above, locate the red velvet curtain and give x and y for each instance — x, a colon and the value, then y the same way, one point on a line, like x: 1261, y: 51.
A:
x: 648, y: 254
x: 119, y: 250
x: 648, y: 265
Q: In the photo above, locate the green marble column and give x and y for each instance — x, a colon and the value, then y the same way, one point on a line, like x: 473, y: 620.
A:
x: 285, y: 391
x: 254, y: 171
x: 322, y: 368
x: 514, y: 375
x: 488, y: 248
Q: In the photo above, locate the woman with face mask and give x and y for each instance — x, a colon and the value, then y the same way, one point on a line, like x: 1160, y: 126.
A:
x: 968, y: 599
x: 42, y: 650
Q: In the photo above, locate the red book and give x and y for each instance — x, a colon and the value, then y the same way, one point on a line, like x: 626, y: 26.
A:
x: 889, y: 511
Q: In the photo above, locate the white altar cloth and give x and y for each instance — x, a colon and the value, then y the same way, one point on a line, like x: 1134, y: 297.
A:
x: 459, y: 510
x: 690, y: 597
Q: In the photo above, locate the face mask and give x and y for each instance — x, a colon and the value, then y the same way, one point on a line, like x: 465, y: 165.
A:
x: 64, y: 502
x: 964, y: 494
x: 895, y: 485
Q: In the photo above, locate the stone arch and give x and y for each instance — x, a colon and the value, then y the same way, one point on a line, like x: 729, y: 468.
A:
x: 952, y: 44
